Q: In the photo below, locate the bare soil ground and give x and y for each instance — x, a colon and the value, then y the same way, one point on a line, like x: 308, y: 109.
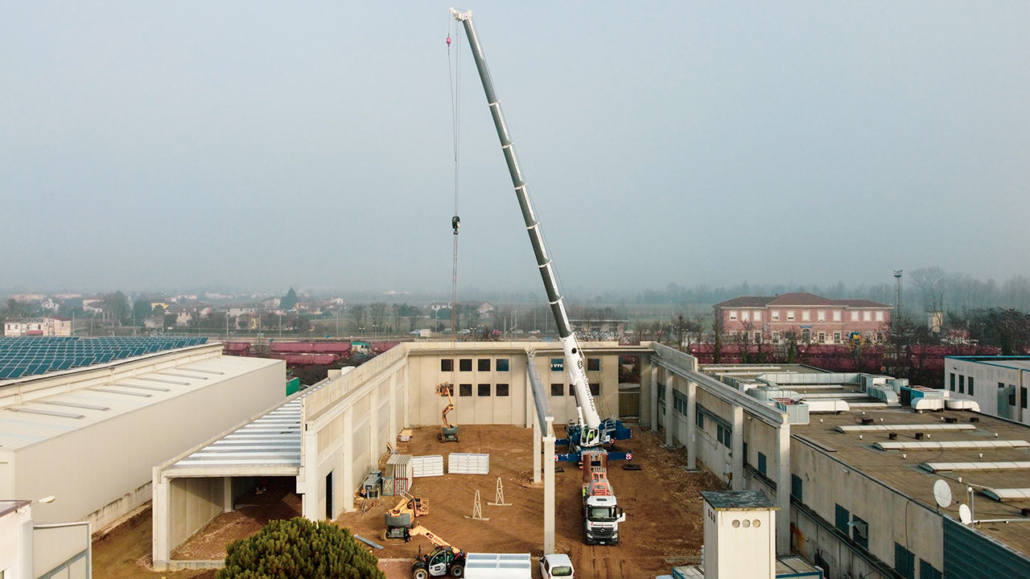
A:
x: 663, y: 525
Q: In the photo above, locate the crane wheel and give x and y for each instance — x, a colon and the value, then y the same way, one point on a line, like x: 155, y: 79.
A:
x: 421, y: 573
x: 457, y: 570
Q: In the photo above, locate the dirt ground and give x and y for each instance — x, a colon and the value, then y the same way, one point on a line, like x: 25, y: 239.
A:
x: 663, y: 526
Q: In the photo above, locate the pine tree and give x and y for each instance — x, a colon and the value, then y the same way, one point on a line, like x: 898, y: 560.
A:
x: 299, y: 548
x: 289, y: 301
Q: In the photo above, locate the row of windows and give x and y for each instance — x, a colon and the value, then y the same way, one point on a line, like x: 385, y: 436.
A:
x: 806, y: 315
x: 820, y: 337
x: 858, y: 529
x: 559, y: 389
x: 962, y: 384
x: 465, y: 365
x: 593, y: 364
x: 482, y: 390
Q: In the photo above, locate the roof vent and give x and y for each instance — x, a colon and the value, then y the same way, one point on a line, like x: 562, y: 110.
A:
x: 892, y: 435
x: 951, y: 420
x: 974, y: 419
x: 919, y: 436
x: 1026, y: 512
x: 867, y: 420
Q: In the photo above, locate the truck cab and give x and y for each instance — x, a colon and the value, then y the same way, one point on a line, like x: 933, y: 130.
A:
x: 601, y: 518
x: 556, y: 565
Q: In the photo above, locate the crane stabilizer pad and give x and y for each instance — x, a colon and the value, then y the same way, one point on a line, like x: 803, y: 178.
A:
x: 632, y: 466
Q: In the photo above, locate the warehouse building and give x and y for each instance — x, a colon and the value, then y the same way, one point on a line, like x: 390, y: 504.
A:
x: 88, y: 436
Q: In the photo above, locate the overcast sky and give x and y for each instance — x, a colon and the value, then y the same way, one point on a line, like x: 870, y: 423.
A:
x: 259, y: 145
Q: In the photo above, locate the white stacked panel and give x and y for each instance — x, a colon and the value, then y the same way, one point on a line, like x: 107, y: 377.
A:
x: 461, y: 463
x: 431, y: 465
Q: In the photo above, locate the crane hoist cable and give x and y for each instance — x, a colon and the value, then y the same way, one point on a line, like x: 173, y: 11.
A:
x: 454, y: 83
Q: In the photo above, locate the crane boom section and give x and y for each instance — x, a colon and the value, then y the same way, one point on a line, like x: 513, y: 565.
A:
x: 570, y: 346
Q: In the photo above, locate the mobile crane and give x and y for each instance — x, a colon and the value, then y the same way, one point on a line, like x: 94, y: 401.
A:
x: 449, y: 432
x: 444, y: 560
x: 590, y: 433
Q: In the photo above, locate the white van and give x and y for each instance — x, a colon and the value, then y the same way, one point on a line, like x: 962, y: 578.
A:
x: 556, y: 565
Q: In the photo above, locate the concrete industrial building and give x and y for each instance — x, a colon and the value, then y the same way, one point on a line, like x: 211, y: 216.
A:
x: 48, y: 326
x: 89, y: 436
x: 999, y: 384
x: 31, y: 551
x: 857, y: 459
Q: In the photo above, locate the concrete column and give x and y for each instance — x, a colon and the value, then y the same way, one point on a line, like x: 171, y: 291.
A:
x: 549, y: 488
x: 691, y: 441
x: 737, y: 448
x: 227, y: 494
x: 646, y: 418
x: 654, y: 395
x: 407, y: 396
x: 373, y: 430
x: 393, y: 410
x: 783, y: 488
x: 670, y: 420
x: 537, y: 449
x: 530, y: 406
x: 161, y: 524
x: 308, y: 482
x: 348, y: 460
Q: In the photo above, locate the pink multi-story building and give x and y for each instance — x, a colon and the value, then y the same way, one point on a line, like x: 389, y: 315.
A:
x: 812, y: 318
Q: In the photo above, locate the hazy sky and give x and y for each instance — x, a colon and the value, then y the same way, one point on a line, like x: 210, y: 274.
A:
x: 262, y: 144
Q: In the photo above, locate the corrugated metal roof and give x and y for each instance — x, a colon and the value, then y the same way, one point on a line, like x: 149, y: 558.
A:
x: 272, y: 439
x: 975, y: 466
x: 959, y: 444
x: 903, y: 427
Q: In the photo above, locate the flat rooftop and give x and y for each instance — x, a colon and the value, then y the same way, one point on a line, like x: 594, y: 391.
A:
x: 1014, y: 362
x: 910, y: 470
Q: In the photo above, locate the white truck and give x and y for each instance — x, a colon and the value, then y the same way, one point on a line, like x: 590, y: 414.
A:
x: 556, y: 565
x: 498, y: 566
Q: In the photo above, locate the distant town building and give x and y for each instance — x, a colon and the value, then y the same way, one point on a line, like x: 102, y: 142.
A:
x: 998, y: 383
x: 50, y: 326
x: 812, y: 318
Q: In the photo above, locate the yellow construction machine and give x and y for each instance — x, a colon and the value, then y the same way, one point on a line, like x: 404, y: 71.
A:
x: 401, y: 518
x: 443, y: 561
x: 449, y: 432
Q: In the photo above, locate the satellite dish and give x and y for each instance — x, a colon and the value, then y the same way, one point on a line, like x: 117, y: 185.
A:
x: 964, y: 515
x: 942, y: 493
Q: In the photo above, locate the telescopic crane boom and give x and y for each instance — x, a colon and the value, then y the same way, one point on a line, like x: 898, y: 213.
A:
x: 589, y: 420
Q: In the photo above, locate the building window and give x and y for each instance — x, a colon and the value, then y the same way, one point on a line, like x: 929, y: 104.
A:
x: 661, y: 391
x: 502, y: 364
x: 593, y: 364
x: 776, y: 315
x: 806, y: 316
x: 836, y: 337
x: 572, y: 390
x: 502, y: 389
x: 822, y: 337
x: 970, y: 385
x: 806, y: 335
x: 465, y: 364
x: 952, y: 386
x: 724, y: 435
x: 843, y: 517
x: 557, y: 364
x: 796, y: 488
x: 821, y: 315
x: 1022, y: 393
x: 595, y: 389
x: 790, y: 316
x: 758, y: 337
x: 904, y: 562
x: 961, y: 384
x: 484, y: 390
x: 699, y: 420
x: 776, y: 337
x: 926, y: 571
x: 744, y: 315
x: 464, y: 390
x: 879, y: 315
x: 867, y: 316
x: 483, y: 365
x: 758, y: 316
x: 733, y: 315
x: 854, y: 316
x: 879, y: 336
x: 761, y: 463
x: 836, y: 315
x: 446, y: 365
x: 860, y: 532
x: 557, y: 389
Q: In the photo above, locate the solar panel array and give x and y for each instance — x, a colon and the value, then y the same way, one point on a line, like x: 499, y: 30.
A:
x: 33, y: 355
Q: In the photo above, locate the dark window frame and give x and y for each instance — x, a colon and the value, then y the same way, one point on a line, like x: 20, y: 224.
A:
x: 593, y: 364
x: 595, y: 388
x: 464, y: 390
x: 480, y: 390
x: 501, y: 390
x: 502, y: 365
x: 446, y: 364
x: 557, y: 389
x: 483, y: 364
x: 465, y: 364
